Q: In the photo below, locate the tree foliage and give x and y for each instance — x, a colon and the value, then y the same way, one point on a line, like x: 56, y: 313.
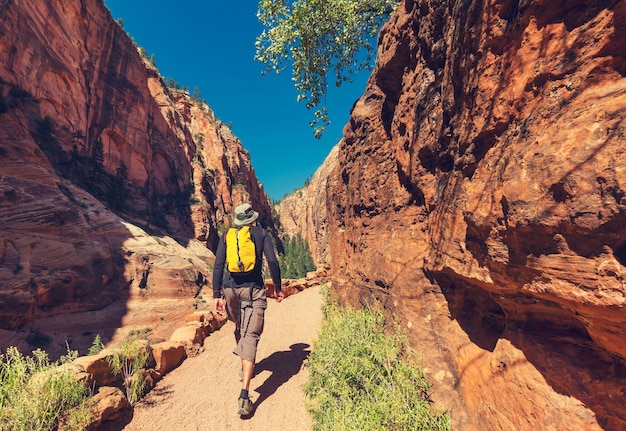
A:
x: 170, y: 83
x: 323, y: 40
x: 196, y: 96
x: 296, y: 260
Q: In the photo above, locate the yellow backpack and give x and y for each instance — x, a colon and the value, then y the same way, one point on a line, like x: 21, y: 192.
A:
x: 240, y: 250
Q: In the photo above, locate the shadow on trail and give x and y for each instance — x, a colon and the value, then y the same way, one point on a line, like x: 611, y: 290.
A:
x: 157, y: 396
x: 283, y: 365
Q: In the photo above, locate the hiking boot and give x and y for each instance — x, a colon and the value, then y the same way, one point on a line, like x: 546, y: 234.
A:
x: 245, y: 406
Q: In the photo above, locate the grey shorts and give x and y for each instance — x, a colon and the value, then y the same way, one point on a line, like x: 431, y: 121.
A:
x: 248, y: 316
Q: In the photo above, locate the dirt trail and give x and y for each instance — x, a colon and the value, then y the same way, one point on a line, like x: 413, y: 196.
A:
x: 202, y: 393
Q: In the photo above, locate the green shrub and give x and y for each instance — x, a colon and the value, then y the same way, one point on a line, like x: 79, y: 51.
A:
x: 129, y: 361
x: 364, y: 380
x: 97, y: 346
x: 35, y: 393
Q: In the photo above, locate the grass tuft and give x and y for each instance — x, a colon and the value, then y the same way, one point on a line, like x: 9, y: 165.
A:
x: 362, y: 379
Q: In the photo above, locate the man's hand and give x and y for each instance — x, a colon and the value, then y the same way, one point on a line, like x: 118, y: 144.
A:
x: 219, y: 305
x: 279, y: 296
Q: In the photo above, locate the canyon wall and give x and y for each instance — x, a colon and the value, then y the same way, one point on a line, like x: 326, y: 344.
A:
x: 304, y: 211
x: 480, y: 196
x: 114, y: 187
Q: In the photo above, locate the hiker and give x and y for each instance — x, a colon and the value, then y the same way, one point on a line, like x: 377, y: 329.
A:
x: 239, y: 288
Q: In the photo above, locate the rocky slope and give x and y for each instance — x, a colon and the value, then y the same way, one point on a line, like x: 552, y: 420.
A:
x: 480, y: 196
x: 112, y: 184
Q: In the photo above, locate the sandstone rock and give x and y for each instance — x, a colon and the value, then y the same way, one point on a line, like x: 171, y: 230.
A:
x: 190, y: 336
x: 98, y: 367
x: 70, y: 80
x: 150, y: 377
x: 199, y: 316
x: 218, y: 320
x: 479, y: 195
x: 109, y: 404
x: 168, y: 356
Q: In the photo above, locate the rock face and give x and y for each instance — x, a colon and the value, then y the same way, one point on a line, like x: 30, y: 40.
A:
x: 112, y: 185
x: 480, y: 195
x: 304, y: 211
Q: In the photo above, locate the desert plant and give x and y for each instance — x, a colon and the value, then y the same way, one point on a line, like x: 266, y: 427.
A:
x: 77, y: 418
x: 35, y: 393
x: 96, y: 346
x: 129, y: 361
x: 362, y: 379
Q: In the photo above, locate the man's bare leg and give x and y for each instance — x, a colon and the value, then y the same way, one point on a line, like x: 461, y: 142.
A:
x: 248, y: 369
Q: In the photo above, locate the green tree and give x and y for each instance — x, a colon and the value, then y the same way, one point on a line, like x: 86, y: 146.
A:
x: 170, y: 83
x: 318, y: 37
x: 196, y: 97
x: 96, y: 346
x: 296, y: 259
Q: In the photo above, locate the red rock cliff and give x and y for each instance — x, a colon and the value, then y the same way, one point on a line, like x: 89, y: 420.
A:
x: 480, y: 194
x: 304, y: 211
x: 87, y: 126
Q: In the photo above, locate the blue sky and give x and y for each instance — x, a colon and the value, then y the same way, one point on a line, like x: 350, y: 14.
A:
x: 210, y: 45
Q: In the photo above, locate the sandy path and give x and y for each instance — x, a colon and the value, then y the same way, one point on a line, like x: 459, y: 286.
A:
x: 202, y: 393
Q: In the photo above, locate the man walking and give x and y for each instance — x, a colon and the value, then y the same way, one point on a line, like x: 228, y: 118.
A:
x: 238, y: 288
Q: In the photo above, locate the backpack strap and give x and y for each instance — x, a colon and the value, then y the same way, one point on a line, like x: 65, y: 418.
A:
x: 239, y: 262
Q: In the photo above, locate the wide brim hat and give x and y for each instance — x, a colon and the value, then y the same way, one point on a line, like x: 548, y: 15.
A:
x: 244, y: 214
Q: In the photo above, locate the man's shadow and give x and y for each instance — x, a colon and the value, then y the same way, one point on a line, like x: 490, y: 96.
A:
x: 283, y: 365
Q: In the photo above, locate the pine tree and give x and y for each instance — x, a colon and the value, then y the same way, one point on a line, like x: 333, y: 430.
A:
x: 196, y: 97
x: 296, y: 260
